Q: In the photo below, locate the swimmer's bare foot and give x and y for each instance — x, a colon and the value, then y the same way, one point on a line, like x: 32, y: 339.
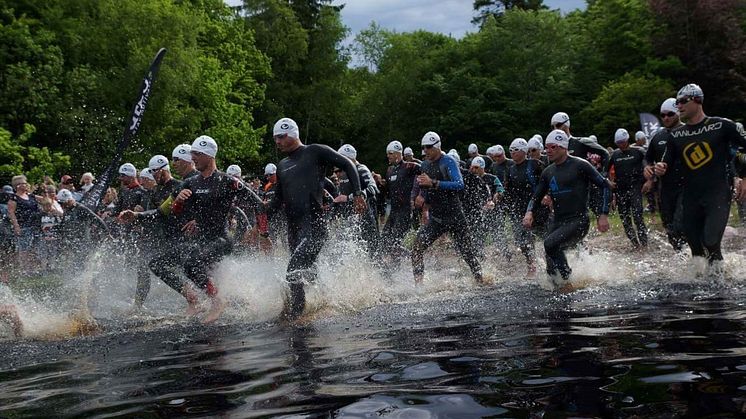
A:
x: 216, y: 309
x: 9, y: 314
x: 484, y: 281
x: 193, y: 306
x: 216, y: 303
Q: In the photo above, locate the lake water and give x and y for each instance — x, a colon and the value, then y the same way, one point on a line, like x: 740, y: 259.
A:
x: 645, y: 337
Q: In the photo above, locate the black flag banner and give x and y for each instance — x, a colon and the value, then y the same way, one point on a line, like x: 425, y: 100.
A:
x: 649, y: 124
x: 96, y: 193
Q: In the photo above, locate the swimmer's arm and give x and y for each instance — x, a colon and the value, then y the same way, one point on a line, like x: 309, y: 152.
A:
x: 457, y: 181
x: 541, y: 189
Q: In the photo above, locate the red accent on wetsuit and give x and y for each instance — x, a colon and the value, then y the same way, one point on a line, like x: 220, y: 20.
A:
x: 211, y: 289
x: 134, y: 185
x: 262, y: 223
x: 612, y: 173
x: 177, y: 207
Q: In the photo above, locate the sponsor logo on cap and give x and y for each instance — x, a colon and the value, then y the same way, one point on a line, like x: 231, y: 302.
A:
x: 285, y: 126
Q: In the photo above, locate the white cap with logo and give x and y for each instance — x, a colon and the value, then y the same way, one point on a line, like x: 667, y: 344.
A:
x: 182, y: 152
x: 560, y: 118
x: 519, y: 144
x: 669, y: 105
x: 473, y: 148
x: 206, y: 145
x: 621, y: 136
x: 431, y: 139
x: 286, y: 126
x: 128, y: 169
x: 394, y: 147
x: 639, y: 135
x: 408, y: 151
x: 558, y: 138
x: 158, y: 162
x: 233, y: 170
x: 270, y: 169
x: 348, y: 151
x: 535, y: 142
x: 146, y: 173
x: 477, y: 161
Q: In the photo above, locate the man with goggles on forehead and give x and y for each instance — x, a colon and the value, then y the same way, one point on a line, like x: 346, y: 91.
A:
x: 441, y: 183
x: 668, y: 187
x: 704, y: 148
x: 566, y: 181
x: 300, y: 192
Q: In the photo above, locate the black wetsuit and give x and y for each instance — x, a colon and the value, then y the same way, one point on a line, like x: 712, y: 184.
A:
x: 521, y: 182
x: 446, y: 215
x: 475, y: 195
x: 705, y: 153
x: 598, y: 157
x: 400, y: 179
x: 499, y: 218
x: 300, y: 191
x: 158, y: 233
x: 670, y: 187
x: 209, y: 204
x: 131, y: 235
x: 628, y: 166
x: 568, y: 185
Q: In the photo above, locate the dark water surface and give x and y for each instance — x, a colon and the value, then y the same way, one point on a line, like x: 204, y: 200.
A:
x: 652, y: 350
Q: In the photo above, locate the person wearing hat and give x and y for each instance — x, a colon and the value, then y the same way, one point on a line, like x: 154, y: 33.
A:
x: 300, y: 192
x: 499, y: 219
x: 536, y: 150
x: 473, y: 151
x: 67, y: 182
x: 441, y: 183
x: 481, y: 191
x: 201, y: 207
x: 521, y: 181
x: 234, y: 170
x: 587, y: 149
x: 641, y: 141
x: 397, y: 189
x: 133, y: 197
x: 408, y: 156
x: 566, y: 181
x: 181, y: 157
x: 628, y: 164
x: 704, y: 147
x: 368, y: 222
x: 669, y: 186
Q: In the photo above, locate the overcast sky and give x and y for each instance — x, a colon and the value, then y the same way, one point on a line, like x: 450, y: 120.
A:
x: 445, y: 16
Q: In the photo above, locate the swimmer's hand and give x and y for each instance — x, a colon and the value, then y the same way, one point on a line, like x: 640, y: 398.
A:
x: 528, y: 219
x: 183, y: 195
x: 424, y: 181
x: 660, y: 168
x: 190, y: 228
x: 126, y: 216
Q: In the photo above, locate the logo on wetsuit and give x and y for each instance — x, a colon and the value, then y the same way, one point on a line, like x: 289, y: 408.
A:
x: 697, y: 154
x: 555, y: 189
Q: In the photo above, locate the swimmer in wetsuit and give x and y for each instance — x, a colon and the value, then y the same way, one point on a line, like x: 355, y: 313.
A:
x: 628, y: 163
x: 567, y: 182
x: 441, y: 183
x: 704, y: 147
x: 669, y: 185
x: 300, y: 192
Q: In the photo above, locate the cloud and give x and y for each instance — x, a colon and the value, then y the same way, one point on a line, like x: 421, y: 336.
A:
x: 445, y: 16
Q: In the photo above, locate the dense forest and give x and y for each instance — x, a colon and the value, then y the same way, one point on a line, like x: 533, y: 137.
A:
x: 70, y: 70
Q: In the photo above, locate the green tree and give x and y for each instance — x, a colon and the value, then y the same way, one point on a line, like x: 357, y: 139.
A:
x: 17, y: 157
x: 496, y: 8
x: 620, y: 102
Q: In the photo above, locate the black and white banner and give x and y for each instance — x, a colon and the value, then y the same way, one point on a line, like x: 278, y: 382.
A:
x: 93, y: 197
